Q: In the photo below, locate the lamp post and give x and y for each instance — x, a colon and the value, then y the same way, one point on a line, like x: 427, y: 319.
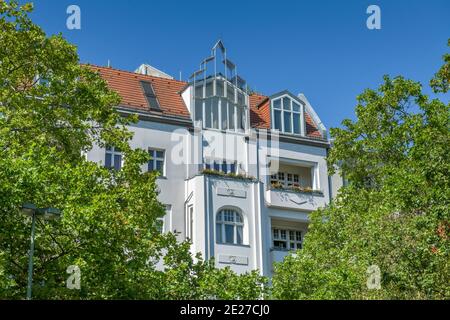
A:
x: 31, y: 210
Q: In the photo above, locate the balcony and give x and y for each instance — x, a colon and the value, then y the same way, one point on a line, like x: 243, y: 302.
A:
x: 295, y: 199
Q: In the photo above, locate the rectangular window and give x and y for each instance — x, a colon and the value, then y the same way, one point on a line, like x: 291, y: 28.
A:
x: 150, y: 95
x: 286, y: 239
x: 215, y: 112
x: 156, y: 163
x: 113, y: 158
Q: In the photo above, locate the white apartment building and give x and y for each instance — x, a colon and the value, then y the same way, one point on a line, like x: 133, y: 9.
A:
x: 240, y: 172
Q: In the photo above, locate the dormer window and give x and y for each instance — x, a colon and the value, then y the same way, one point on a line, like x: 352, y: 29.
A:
x: 287, y: 115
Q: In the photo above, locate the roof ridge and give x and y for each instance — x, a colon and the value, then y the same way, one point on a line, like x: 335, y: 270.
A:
x: 131, y: 72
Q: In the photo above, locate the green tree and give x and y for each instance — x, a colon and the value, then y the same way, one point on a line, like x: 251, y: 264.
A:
x: 395, y: 212
x: 52, y: 110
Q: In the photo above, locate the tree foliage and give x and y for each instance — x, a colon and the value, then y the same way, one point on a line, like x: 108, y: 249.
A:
x: 395, y: 212
x: 53, y: 110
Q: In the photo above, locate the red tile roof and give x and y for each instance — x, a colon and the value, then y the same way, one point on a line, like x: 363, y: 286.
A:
x: 311, y: 128
x: 168, y: 92
x: 259, y: 111
x: 127, y: 85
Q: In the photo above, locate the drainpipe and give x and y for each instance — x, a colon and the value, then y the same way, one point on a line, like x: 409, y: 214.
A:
x: 330, y: 189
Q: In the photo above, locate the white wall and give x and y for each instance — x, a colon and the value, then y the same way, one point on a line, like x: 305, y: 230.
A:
x: 257, y: 206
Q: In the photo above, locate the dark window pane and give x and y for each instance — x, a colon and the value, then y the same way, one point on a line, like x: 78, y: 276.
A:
x: 160, y: 154
x: 233, y: 168
x: 277, y: 119
x: 117, y: 161
x: 229, y: 233
x: 151, y: 165
x: 279, y: 244
x: 287, y: 122
x: 160, y: 166
x: 296, y: 122
x: 216, y: 166
x: 108, y: 160
x: 224, y: 167
x: 277, y: 104
x: 286, y: 104
x: 295, y: 106
x: 153, y: 102
x: 219, y: 238
x: 150, y: 95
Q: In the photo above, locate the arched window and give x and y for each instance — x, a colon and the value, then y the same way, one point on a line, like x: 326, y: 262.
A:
x: 229, y: 227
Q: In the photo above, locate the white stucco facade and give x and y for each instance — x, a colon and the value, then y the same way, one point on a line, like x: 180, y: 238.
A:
x: 258, y: 214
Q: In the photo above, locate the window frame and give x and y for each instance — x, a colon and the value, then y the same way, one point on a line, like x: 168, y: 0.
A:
x: 287, y: 111
x: 222, y: 222
x: 213, y: 164
x: 227, y: 105
x: 155, y: 159
x: 287, y: 240
x: 112, y: 151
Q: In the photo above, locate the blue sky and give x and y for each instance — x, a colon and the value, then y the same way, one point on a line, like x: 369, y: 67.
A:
x: 320, y: 48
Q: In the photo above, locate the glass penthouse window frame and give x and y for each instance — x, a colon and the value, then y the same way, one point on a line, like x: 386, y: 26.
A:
x: 222, y: 105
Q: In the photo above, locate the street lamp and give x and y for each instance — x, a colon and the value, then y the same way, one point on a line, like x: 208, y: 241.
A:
x: 31, y: 210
